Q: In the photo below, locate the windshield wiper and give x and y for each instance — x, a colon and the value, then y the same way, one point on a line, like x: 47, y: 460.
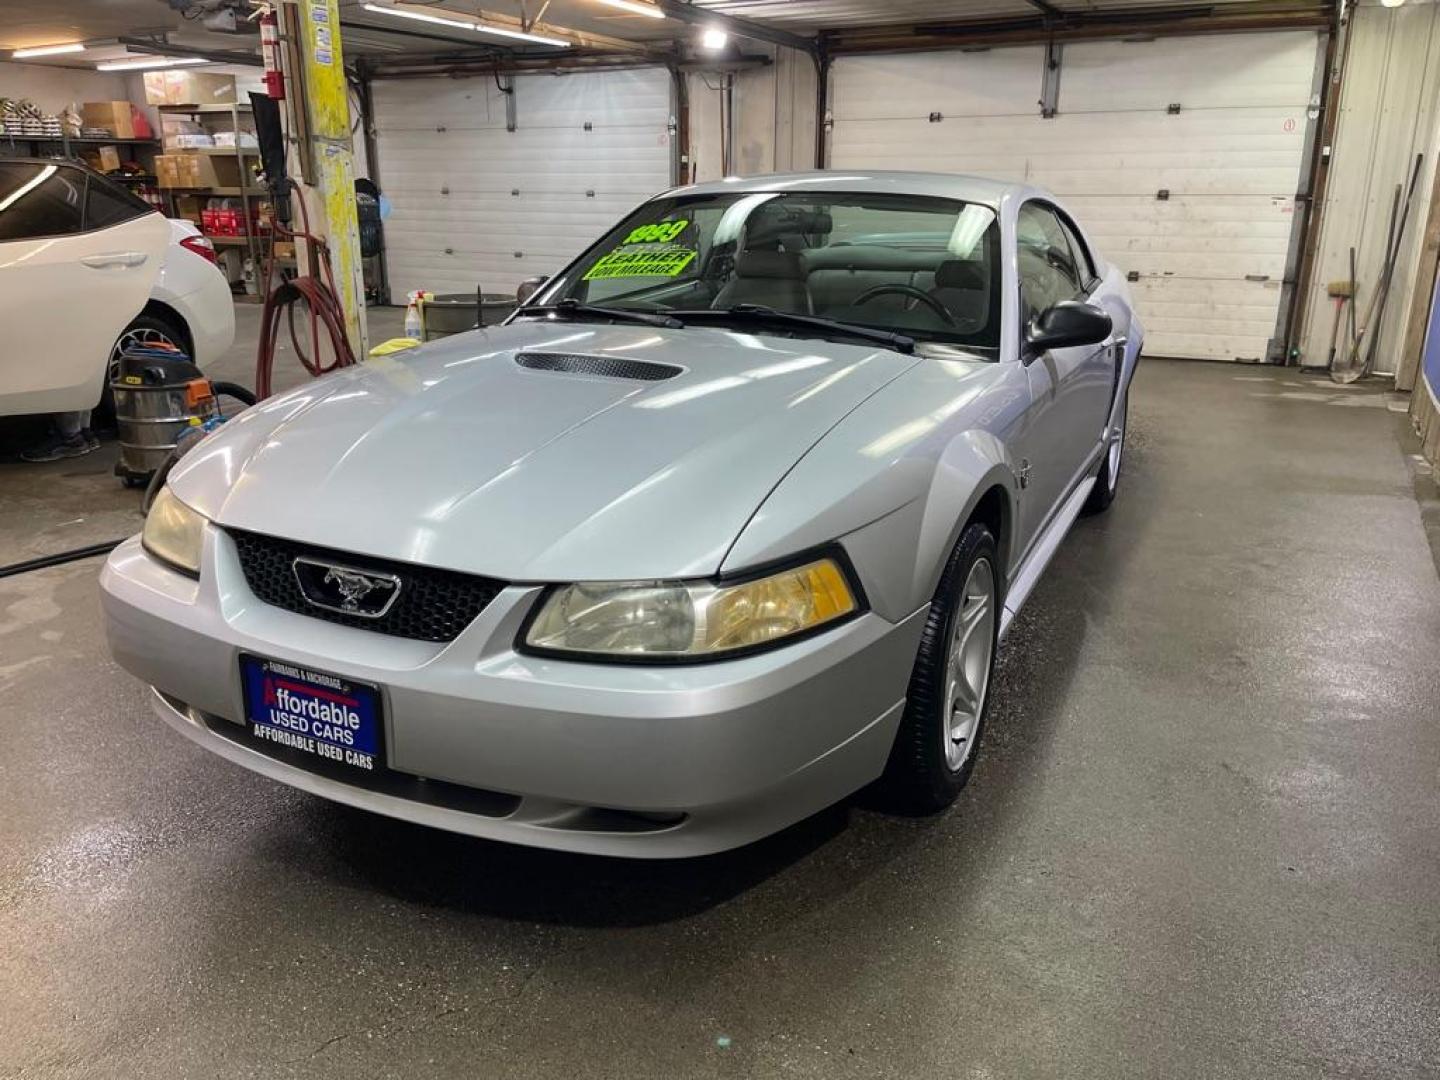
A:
x: 761, y: 313
x: 570, y: 308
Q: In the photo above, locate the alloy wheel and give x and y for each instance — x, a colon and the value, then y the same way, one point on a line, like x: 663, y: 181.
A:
x: 1116, y: 449
x: 136, y: 336
x: 967, y: 666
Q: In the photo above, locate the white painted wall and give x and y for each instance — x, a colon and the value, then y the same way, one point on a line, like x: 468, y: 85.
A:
x: 774, y: 118
x: 53, y: 88
x: 1387, y: 115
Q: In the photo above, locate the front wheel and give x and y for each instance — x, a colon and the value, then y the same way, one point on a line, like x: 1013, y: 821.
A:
x: 949, y: 694
x: 1108, y: 480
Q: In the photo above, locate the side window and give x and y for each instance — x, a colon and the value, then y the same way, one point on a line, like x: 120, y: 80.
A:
x: 1083, y: 261
x: 40, y: 200
x: 1047, y: 270
x: 109, y: 204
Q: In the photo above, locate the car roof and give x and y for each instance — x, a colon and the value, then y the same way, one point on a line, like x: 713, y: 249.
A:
x: 975, y: 189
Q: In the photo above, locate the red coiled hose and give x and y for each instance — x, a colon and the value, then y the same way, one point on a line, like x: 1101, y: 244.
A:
x: 320, y: 301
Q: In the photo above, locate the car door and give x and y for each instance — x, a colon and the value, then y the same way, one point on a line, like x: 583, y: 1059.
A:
x: 78, y: 255
x: 1069, y: 388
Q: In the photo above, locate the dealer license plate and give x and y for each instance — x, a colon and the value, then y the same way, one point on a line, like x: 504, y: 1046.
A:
x: 313, y: 713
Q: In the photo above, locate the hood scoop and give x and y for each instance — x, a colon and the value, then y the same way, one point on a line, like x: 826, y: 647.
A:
x: 605, y: 367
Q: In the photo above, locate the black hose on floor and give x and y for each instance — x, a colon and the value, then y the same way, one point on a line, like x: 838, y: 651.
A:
x: 61, y: 558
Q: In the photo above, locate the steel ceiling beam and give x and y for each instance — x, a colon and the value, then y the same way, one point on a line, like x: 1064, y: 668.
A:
x: 1048, y: 9
x: 165, y: 48
x: 737, y: 27
x: 1088, y: 25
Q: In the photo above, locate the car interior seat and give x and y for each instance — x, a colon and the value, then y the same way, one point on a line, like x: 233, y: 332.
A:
x: 773, y: 278
x: 961, y: 285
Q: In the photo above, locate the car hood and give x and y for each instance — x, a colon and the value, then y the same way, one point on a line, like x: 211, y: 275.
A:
x: 457, y: 455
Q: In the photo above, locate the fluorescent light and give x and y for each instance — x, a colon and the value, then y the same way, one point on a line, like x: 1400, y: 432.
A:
x: 150, y: 64
x: 714, y: 40
x: 46, y: 50
x: 1391, y: 3
x: 466, y: 24
x: 419, y: 16
x: 635, y: 8
x: 539, y: 39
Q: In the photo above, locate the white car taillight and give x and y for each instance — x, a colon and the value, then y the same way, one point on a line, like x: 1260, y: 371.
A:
x: 201, y: 246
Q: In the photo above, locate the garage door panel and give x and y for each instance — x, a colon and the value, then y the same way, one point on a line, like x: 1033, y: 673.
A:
x: 1002, y: 83
x: 463, y: 272
x: 413, y: 104
x: 487, y: 160
x: 558, y: 240
x: 1209, y: 320
x: 1210, y: 345
x: 476, y: 203
x: 639, y: 98
x: 1118, y: 180
x: 1229, y: 162
x: 1239, y: 216
x: 1231, y: 71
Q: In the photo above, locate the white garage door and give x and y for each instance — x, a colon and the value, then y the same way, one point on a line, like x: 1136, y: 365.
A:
x: 475, y: 204
x: 1211, y: 255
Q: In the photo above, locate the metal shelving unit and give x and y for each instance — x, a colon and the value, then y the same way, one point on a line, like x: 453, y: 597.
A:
x: 242, y: 154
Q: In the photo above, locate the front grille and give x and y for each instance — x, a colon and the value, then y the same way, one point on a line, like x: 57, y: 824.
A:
x: 608, y: 367
x: 432, y: 605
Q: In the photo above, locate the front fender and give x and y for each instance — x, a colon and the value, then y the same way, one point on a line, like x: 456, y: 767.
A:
x: 895, y: 481
x: 929, y: 527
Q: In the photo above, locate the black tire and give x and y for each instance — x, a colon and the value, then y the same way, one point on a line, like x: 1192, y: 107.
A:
x: 142, y: 328
x: 1107, y: 483
x: 919, y: 778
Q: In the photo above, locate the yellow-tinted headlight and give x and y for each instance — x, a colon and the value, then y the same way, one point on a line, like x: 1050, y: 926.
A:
x: 173, y: 533
x: 691, y: 619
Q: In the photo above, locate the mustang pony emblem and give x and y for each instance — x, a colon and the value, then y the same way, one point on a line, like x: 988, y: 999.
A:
x: 347, y: 590
x: 351, y: 586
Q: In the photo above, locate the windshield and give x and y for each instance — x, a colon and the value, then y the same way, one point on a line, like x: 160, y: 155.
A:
x: 921, y: 266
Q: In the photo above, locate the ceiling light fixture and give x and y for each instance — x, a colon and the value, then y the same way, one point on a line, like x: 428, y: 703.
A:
x: 465, y: 24
x: 47, y: 50
x: 635, y: 8
x: 714, y: 40
x: 151, y: 64
x: 1391, y: 3
x: 419, y: 16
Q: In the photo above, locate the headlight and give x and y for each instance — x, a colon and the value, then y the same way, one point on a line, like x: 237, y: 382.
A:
x: 691, y: 619
x: 173, y: 533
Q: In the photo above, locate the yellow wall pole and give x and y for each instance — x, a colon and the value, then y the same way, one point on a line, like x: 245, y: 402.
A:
x: 327, y: 112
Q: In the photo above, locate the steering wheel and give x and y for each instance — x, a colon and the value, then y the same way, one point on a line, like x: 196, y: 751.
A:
x: 906, y: 290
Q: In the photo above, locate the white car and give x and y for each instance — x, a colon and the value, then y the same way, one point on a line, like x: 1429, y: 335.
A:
x: 190, y: 305
x: 85, y: 268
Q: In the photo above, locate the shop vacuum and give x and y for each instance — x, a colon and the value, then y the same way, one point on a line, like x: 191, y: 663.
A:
x: 162, y: 401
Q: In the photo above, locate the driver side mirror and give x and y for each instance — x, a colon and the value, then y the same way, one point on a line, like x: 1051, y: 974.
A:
x: 1068, y: 323
x: 528, y: 288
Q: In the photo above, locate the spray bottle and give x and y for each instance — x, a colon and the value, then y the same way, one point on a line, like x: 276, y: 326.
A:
x: 414, y: 325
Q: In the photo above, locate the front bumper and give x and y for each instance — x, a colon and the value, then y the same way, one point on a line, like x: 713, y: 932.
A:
x: 655, y: 761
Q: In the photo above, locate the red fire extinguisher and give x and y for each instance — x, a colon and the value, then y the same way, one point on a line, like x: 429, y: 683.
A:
x: 270, y: 50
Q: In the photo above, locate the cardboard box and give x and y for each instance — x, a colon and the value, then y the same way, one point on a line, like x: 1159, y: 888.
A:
x: 191, y: 208
x: 199, y: 171
x: 189, y: 88
x: 167, y: 171
x: 113, y: 116
x: 109, y: 158
x: 214, y: 170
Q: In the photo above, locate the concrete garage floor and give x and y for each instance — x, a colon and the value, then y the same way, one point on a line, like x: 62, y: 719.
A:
x: 1203, y: 838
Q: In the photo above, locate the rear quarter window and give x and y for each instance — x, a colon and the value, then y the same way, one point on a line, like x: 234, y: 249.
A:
x: 107, y: 203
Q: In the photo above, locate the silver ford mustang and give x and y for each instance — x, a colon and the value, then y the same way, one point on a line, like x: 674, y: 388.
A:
x: 725, y: 523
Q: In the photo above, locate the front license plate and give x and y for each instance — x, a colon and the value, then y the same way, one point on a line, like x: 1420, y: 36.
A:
x: 312, y: 713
